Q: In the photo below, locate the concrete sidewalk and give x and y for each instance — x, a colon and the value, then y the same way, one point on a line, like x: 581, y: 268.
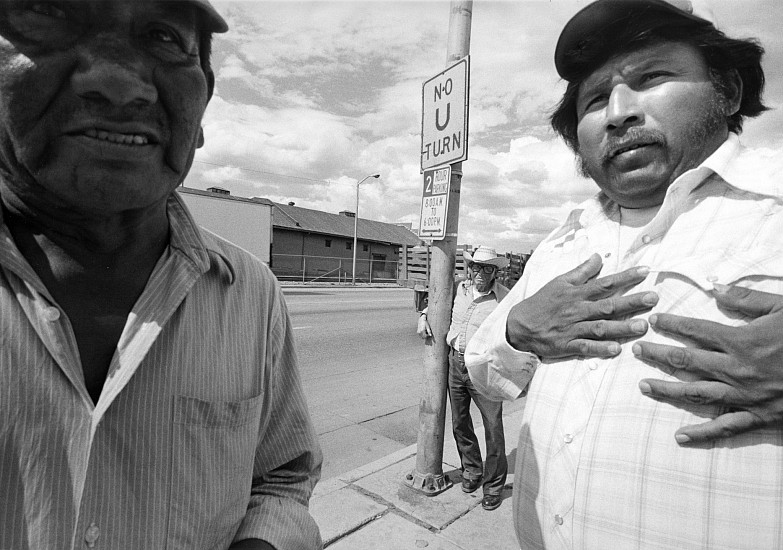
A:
x: 371, y: 507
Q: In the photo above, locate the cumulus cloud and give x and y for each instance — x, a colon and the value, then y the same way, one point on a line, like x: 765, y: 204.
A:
x: 312, y: 96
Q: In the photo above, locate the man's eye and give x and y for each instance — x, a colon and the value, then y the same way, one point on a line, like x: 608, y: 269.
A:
x: 653, y: 75
x: 595, y: 101
x: 49, y: 9
x: 164, y: 35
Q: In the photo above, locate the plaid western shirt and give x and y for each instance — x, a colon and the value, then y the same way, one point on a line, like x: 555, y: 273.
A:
x: 201, y: 435
x: 597, y: 463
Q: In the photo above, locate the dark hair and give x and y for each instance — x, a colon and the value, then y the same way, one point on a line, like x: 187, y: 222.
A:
x: 723, y: 56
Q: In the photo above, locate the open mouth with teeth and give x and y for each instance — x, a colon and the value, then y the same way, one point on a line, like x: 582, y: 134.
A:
x: 115, y: 137
x: 629, y: 148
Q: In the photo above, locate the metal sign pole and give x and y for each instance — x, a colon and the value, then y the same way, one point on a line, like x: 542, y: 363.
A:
x: 428, y: 476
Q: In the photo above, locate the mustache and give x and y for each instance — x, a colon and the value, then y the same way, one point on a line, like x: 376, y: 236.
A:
x: 634, y: 136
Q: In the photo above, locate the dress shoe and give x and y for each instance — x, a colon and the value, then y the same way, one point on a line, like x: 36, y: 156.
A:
x: 490, y: 502
x: 470, y: 485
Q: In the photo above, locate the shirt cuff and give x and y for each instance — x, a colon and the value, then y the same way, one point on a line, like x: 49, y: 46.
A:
x: 501, y: 374
x: 283, y: 523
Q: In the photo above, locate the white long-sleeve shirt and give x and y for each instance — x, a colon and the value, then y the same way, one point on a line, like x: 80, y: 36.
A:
x: 597, y: 464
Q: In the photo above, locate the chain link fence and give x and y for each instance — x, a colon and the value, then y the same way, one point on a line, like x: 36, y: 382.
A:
x: 309, y: 269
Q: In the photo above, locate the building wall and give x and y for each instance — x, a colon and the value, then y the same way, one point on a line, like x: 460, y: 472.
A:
x: 332, y: 262
x: 244, y: 223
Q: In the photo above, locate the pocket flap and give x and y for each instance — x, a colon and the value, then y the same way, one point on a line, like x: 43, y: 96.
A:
x: 193, y: 411
x: 726, y: 266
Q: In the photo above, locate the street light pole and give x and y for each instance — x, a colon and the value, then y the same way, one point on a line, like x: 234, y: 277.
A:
x: 356, y: 223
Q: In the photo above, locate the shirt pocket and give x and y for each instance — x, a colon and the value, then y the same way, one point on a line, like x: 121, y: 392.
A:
x: 760, y: 268
x: 684, y: 286
x: 212, y: 469
x: 191, y: 411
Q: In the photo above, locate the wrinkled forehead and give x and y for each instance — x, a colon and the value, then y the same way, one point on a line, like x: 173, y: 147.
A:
x: 98, y: 13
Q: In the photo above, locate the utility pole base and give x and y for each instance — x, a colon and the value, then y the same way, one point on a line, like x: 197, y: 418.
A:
x: 429, y: 484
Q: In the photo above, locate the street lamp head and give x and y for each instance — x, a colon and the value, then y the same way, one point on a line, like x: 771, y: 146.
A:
x: 365, y: 178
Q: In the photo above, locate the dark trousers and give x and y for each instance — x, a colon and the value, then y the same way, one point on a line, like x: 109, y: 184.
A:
x: 461, y: 391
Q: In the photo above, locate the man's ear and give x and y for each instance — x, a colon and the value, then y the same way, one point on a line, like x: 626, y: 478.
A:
x: 733, y: 90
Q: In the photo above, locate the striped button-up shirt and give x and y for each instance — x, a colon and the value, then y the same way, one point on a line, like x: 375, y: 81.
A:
x: 597, y: 463
x: 469, y: 311
x: 201, y: 435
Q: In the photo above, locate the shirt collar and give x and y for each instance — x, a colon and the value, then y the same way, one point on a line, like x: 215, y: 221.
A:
x: 185, y: 236
x: 757, y: 171
x: 200, y: 247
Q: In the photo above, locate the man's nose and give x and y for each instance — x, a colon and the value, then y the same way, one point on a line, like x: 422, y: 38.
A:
x: 114, y: 73
x: 623, y: 108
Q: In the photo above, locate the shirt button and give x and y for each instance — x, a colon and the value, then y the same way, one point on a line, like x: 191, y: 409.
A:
x: 646, y: 239
x: 568, y: 438
x: 558, y: 519
x: 712, y: 278
x: 51, y: 314
x: 607, y: 254
x: 91, y: 535
x: 593, y: 366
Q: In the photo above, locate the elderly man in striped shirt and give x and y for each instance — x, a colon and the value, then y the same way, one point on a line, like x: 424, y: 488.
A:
x: 149, y: 392
x: 684, y: 236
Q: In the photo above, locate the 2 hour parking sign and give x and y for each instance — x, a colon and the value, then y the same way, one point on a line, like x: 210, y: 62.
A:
x: 435, y: 203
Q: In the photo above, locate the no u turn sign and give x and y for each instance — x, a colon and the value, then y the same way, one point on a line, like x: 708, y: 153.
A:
x: 444, y: 116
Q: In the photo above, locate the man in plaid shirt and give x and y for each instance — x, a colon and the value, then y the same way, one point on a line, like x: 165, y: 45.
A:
x: 684, y: 236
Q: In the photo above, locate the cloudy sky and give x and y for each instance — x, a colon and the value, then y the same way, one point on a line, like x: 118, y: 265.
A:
x: 313, y: 96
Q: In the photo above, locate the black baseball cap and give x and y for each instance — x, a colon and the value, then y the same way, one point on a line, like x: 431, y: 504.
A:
x: 214, y: 21
x: 584, y: 35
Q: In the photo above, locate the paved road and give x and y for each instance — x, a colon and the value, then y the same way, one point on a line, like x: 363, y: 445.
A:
x: 361, y: 360
x: 361, y: 364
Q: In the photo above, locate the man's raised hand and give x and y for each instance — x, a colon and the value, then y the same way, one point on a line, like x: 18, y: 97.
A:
x: 578, y: 314
x: 742, y: 366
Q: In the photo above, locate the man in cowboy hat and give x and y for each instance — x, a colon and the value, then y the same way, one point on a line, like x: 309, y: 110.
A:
x: 475, y: 298
x: 655, y: 101
x: 149, y: 392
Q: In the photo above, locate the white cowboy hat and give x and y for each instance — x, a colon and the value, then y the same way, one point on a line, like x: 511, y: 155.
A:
x: 486, y: 256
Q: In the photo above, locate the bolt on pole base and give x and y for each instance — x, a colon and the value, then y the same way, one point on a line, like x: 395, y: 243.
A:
x: 429, y: 484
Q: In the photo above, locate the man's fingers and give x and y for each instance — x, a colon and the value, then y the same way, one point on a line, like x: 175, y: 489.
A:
x: 706, y: 334
x: 605, y: 330
x: 584, y: 271
x: 606, y: 286
x: 703, y: 392
x: 750, y: 302
x: 620, y: 306
x: 712, y: 364
x: 726, y: 425
x: 592, y: 348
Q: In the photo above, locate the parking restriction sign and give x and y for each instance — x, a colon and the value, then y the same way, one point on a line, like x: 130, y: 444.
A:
x: 435, y: 203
